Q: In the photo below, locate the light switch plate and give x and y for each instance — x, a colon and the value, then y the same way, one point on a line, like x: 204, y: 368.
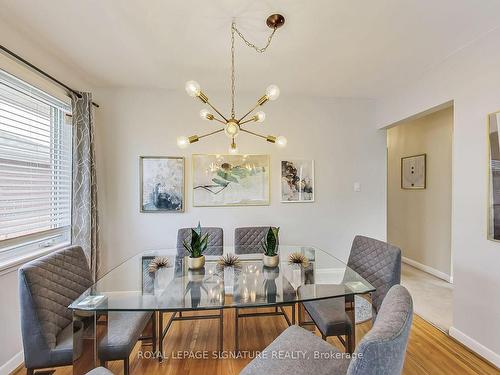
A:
x: 357, y: 187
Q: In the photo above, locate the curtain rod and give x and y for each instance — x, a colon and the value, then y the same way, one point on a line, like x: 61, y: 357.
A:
x: 40, y: 71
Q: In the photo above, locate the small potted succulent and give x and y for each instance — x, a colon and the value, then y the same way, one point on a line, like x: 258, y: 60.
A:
x: 198, y: 245
x: 270, y: 246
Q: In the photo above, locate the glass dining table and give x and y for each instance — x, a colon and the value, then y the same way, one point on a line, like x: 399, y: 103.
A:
x: 131, y: 287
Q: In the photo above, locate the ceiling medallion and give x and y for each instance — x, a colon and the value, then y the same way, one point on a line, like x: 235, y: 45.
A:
x: 233, y: 126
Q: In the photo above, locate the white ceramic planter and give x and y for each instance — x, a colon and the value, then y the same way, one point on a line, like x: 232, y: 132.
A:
x: 271, y: 262
x: 297, y: 273
x: 229, y: 279
x: 196, y: 263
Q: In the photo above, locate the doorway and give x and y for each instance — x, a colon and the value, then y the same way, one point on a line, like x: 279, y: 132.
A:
x: 419, y: 189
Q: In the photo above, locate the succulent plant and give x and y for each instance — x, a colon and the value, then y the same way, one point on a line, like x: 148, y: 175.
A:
x: 270, y: 244
x: 157, y: 263
x: 198, y: 244
x: 229, y: 260
x: 298, y: 258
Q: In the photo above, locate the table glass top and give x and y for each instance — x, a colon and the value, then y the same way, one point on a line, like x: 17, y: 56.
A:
x: 131, y: 287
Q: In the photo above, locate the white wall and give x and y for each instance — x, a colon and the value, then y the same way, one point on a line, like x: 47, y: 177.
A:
x: 471, y: 78
x: 419, y: 221
x: 338, y: 134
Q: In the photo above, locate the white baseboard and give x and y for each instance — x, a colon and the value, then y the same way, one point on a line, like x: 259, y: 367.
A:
x: 12, y: 364
x: 476, y: 347
x: 428, y: 269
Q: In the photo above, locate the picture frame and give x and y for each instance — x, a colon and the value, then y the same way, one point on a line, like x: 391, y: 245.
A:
x: 493, y: 203
x: 414, y: 172
x: 297, y: 181
x: 230, y: 180
x: 162, y: 184
x: 147, y: 278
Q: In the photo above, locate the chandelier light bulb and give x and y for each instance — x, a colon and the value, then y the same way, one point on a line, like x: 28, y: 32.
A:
x: 193, y: 88
x: 233, y: 149
x: 272, y: 92
x: 260, y: 116
x: 182, y: 141
x: 281, y: 141
x: 232, y: 129
x: 205, y: 114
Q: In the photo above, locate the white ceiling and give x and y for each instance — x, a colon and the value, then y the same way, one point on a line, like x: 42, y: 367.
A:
x: 348, y: 48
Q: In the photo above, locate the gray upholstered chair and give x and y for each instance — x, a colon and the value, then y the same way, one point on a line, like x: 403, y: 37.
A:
x: 381, y: 351
x: 248, y: 239
x: 376, y: 261
x: 99, y: 371
x: 47, y: 286
x: 215, y: 240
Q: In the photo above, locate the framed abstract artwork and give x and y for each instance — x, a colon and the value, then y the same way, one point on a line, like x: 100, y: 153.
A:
x: 494, y: 177
x: 162, y: 184
x: 230, y: 180
x: 297, y: 180
x: 413, y: 172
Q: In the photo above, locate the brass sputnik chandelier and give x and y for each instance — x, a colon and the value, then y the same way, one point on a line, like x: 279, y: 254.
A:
x: 232, y: 126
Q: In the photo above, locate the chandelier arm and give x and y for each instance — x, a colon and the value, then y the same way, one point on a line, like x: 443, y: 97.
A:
x: 247, y: 121
x: 211, y: 133
x: 249, y: 112
x: 219, y: 120
x: 254, y: 134
x: 216, y: 110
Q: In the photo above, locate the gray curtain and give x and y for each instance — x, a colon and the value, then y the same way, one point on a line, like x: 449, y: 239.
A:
x: 85, y: 228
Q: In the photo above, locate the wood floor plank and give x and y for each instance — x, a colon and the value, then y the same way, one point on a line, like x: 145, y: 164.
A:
x: 430, y: 351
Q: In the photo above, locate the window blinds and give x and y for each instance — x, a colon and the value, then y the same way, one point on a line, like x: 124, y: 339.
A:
x: 35, y: 162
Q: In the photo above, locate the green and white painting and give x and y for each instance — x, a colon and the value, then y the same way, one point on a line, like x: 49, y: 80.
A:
x: 230, y: 180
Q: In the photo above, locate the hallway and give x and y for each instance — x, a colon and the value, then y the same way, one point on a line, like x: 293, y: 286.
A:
x: 432, y: 297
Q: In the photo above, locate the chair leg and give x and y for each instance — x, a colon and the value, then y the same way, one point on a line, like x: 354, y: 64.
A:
x: 30, y: 371
x: 160, y: 336
x: 350, y: 343
x: 126, y: 366
x: 221, y: 331
x: 323, y: 337
x: 154, y: 331
x: 236, y: 338
x: 103, y: 363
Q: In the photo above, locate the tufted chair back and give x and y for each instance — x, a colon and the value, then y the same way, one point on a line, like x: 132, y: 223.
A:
x: 248, y: 239
x: 378, y: 262
x: 383, y: 348
x: 215, y: 240
x: 47, y: 286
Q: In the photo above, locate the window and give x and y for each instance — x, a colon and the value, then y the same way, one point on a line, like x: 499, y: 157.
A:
x: 35, y: 168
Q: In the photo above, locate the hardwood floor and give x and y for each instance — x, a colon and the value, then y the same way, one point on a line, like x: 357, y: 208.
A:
x: 430, y: 351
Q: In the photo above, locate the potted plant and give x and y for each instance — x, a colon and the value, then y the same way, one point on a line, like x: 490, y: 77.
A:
x: 270, y: 246
x: 199, y: 244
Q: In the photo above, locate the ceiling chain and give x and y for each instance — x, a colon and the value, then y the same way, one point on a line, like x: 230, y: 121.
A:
x: 249, y: 44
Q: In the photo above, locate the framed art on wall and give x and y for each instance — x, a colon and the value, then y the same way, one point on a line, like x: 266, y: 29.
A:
x: 230, y: 180
x: 494, y: 175
x: 413, y: 172
x: 162, y: 184
x: 297, y: 180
